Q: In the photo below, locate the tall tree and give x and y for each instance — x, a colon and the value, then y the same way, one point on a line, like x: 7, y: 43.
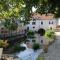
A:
x: 28, y: 8
x: 49, y: 6
x: 10, y: 10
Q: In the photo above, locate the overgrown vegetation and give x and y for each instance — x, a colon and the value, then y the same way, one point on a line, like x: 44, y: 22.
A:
x: 40, y: 57
x: 36, y: 46
x: 30, y: 34
x: 10, y: 25
x: 18, y: 48
x: 50, y: 34
x: 4, y: 44
x: 13, y: 9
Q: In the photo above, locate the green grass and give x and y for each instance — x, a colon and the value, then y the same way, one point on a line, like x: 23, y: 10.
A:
x: 40, y: 58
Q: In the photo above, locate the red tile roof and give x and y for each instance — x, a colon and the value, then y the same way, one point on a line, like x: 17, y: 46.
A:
x: 43, y: 16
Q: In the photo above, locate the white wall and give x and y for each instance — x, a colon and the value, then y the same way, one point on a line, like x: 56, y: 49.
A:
x: 58, y: 21
x: 38, y: 24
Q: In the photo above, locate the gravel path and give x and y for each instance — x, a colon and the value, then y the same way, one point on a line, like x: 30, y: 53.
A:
x: 53, y: 50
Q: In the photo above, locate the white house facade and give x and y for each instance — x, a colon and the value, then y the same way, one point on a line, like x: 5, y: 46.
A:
x: 42, y: 22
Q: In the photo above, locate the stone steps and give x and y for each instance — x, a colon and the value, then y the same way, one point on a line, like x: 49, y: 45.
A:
x: 57, y: 30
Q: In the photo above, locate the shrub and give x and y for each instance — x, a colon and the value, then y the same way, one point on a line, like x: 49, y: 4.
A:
x: 36, y: 46
x: 50, y: 34
x: 22, y: 48
x: 18, y: 48
x: 1, y: 43
x: 31, y: 36
x: 30, y: 33
x: 4, y: 43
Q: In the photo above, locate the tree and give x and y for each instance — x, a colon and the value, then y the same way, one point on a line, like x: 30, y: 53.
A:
x: 10, y: 11
x: 10, y: 25
x: 43, y: 7
x: 10, y: 8
x: 49, y: 6
x: 27, y: 11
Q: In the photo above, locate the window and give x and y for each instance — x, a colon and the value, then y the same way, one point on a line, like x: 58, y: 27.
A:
x: 33, y: 23
x: 50, y: 22
x: 41, y: 41
x: 41, y: 23
x: 27, y: 28
x: 33, y: 40
x: 33, y: 26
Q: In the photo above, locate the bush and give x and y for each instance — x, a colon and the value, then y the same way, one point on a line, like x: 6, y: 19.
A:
x: 31, y: 36
x: 50, y: 34
x: 4, y: 43
x: 1, y: 43
x: 36, y: 46
x: 30, y: 33
x: 18, y: 48
x: 22, y: 48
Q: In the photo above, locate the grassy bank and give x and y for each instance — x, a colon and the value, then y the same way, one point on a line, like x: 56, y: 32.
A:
x: 40, y: 57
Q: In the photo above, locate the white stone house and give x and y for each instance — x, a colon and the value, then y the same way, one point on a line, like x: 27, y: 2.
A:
x: 42, y: 22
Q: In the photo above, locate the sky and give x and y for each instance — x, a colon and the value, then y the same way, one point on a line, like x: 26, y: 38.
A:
x: 33, y: 9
